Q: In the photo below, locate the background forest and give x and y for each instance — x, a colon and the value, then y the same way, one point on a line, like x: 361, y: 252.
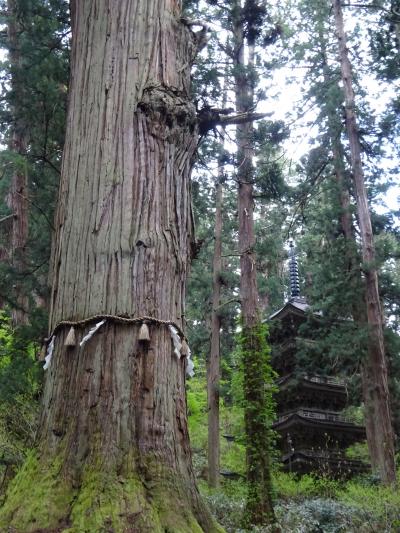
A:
x: 301, y: 187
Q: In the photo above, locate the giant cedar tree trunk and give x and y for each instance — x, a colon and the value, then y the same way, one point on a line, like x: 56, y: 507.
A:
x: 18, y: 193
x: 374, y: 371
x: 259, y: 509
x: 113, y: 448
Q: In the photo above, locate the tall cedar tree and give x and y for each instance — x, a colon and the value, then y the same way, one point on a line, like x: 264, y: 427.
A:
x: 374, y: 367
x: 32, y: 117
x: 213, y: 369
x: 112, y: 449
x: 246, y: 22
x: 17, y: 199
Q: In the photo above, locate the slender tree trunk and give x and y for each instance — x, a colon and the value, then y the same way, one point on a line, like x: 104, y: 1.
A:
x: 263, y: 269
x: 113, y: 448
x: 374, y: 372
x: 213, y: 375
x: 259, y: 508
x: 18, y: 193
x: 213, y: 369
x: 244, y: 134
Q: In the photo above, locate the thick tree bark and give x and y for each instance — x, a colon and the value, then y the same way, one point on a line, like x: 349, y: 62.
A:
x: 113, y: 448
x: 374, y: 373
x: 17, y: 199
x: 259, y: 506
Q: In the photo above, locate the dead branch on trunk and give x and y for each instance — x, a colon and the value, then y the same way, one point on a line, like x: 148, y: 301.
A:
x: 210, y: 117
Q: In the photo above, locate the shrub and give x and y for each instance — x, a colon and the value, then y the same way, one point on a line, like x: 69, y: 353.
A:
x: 290, y: 486
x: 379, y: 505
x: 318, y: 516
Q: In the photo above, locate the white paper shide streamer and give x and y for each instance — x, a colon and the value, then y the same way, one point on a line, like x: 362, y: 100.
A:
x: 190, y: 364
x: 176, y: 341
x: 91, y: 333
x: 49, y: 353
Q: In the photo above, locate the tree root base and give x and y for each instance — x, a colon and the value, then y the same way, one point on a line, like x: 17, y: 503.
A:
x: 41, y: 500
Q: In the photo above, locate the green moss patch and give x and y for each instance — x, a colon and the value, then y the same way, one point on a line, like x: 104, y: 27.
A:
x: 38, y: 498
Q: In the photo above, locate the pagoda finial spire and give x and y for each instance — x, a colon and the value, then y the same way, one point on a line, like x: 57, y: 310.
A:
x: 294, y: 272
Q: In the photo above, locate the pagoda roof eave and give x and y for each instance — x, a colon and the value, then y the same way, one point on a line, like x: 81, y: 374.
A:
x: 295, y: 306
x: 312, y: 384
x: 295, y: 419
x: 299, y: 458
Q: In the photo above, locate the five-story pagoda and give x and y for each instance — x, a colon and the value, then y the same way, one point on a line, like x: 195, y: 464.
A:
x: 313, y: 432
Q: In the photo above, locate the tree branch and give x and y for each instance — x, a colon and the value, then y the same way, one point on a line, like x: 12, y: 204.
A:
x: 7, y: 218
x: 45, y: 160
x: 242, y: 118
x: 209, y: 118
x: 232, y: 300
x: 392, y: 10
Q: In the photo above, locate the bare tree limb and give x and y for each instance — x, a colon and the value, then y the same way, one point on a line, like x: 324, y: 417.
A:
x: 209, y: 118
x: 232, y: 300
x: 242, y: 118
x: 7, y: 217
x: 45, y: 160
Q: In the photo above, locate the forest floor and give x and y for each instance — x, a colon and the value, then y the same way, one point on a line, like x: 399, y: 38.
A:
x: 314, y: 505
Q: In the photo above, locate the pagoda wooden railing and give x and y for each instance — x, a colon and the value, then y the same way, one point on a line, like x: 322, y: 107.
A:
x: 317, y: 453
x: 322, y: 454
x: 295, y: 342
x: 326, y: 380
x: 315, y: 415
x: 291, y: 343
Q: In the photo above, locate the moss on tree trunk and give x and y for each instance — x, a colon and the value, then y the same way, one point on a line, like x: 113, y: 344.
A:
x: 258, y: 387
x: 104, y: 500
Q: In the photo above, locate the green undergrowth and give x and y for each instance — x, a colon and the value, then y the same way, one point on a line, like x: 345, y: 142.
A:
x: 309, y: 504
x: 231, y: 422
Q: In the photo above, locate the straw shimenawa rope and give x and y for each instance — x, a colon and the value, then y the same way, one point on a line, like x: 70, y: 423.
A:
x: 115, y: 318
x: 181, y: 348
